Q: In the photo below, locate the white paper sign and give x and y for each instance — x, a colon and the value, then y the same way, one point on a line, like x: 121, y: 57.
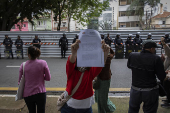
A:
x: 90, y: 53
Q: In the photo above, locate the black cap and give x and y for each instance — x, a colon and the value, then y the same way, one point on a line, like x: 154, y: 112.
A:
x: 150, y: 44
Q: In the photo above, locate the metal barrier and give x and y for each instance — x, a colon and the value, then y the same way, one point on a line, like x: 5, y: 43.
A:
x: 50, y: 40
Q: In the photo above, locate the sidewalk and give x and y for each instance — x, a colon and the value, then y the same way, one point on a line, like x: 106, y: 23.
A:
x: 8, y: 105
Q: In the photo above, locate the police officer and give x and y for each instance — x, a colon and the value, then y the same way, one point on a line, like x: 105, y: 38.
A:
x: 119, y: 47
x: 149, y: 36
x: 36, y: 42
x: 102, y: 36
x: 63, y: 43
x: 129, y: 45
x: 108, y: 40
x: 8, y: 45
x: 19, y: 45
x: 145, y: 66
x: 118, y: 40
x: 137, y: 42
x: 76, y: 37
x: 129, y: 40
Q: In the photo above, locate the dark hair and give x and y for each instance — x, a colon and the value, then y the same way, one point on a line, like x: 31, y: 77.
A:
x: 34, y: 52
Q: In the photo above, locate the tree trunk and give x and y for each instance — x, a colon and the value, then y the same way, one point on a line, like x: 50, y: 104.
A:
x: 4, y: 25
x: 59, y: 23
x: 69, y: 18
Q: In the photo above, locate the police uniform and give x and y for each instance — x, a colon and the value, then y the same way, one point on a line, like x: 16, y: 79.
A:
x: 36, y: 41
x: 137, y: 40
x: 63, y: 43
x: 8, y: 45
x: 19, y: 46
x: 129, y: 46
x: 108, y: 41
x: 146, y: 67
x: 119, y: 48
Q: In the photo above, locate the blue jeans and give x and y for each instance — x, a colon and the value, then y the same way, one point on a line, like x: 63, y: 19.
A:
x: 67, y: 109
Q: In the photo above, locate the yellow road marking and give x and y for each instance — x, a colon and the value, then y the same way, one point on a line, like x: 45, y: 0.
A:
x: 59, y: 89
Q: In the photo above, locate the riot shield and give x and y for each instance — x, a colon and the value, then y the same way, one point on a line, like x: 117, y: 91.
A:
x: 129, y: 49
x: 119, y: 52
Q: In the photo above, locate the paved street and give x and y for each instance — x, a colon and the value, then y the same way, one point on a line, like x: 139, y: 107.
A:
x: 121, y: 75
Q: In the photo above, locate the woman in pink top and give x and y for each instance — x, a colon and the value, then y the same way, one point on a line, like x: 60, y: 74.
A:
x: 36, y: 72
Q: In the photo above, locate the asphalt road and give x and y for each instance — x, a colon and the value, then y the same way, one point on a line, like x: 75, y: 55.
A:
x: 121, y: 75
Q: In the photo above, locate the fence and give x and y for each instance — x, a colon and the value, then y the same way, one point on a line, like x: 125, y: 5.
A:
x: 50, y: 40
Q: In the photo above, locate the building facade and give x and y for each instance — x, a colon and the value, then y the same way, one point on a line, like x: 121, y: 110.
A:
x: 43, y: 23
x: 22, y: 26
x: 108, y: 18
x: 125, y: 21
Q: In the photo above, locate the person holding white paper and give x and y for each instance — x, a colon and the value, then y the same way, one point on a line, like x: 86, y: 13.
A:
x: 83, y: 98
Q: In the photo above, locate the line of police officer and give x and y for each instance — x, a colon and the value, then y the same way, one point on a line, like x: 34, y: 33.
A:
x: 132, y: 44
x: 19, y: 45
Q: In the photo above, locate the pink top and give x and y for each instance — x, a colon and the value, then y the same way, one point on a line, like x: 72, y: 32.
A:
x: 36, y: 71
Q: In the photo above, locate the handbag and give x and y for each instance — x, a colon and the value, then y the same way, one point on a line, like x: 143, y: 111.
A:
x: 62, y: 99
x: 20, y: 90
x: 96, y: 84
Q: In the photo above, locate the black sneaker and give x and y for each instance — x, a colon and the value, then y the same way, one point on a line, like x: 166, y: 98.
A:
x: 165, y: 105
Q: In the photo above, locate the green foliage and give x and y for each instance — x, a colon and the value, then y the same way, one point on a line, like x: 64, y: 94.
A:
x: 88, y: 9
x: 13, y: 11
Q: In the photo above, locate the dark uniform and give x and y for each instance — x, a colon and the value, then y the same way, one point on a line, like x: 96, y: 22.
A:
x: 76, y: 37
x: 36, y: 40
x: 63, y: 43
x: 167, y: 39
x: 145, y: 66
x: 8, y: 45
x: 19, y: 45
x: 129, y: 45
x: 137, y: 43
x: 108, y: 40
x: 119, y: 52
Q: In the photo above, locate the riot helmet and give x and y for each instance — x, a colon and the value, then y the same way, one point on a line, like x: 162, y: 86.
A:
x: 36, y: 36
x: 6, y: 36
x: 137, y: 34
x: 149, y: 35
x: 64, y: 35
x: 166, y: 35
x: 130, y: 36
x: 117, y: 35
x: 19, y: 36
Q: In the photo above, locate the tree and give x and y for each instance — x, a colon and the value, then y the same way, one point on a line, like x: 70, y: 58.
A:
x: 58, y: 7
x: 106, y: 24
x: 89, y: 9
x: 13, y: 11
x: 137, y: 6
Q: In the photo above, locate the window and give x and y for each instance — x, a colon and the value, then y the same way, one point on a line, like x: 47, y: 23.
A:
x: 122, y: 13
x: 127, y: 24
x: 122, y: 24
x: 64, y: 24
x: 122, y: 2
x: 24, y: 25
x: 163, y: 22
x: 109, y: 9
